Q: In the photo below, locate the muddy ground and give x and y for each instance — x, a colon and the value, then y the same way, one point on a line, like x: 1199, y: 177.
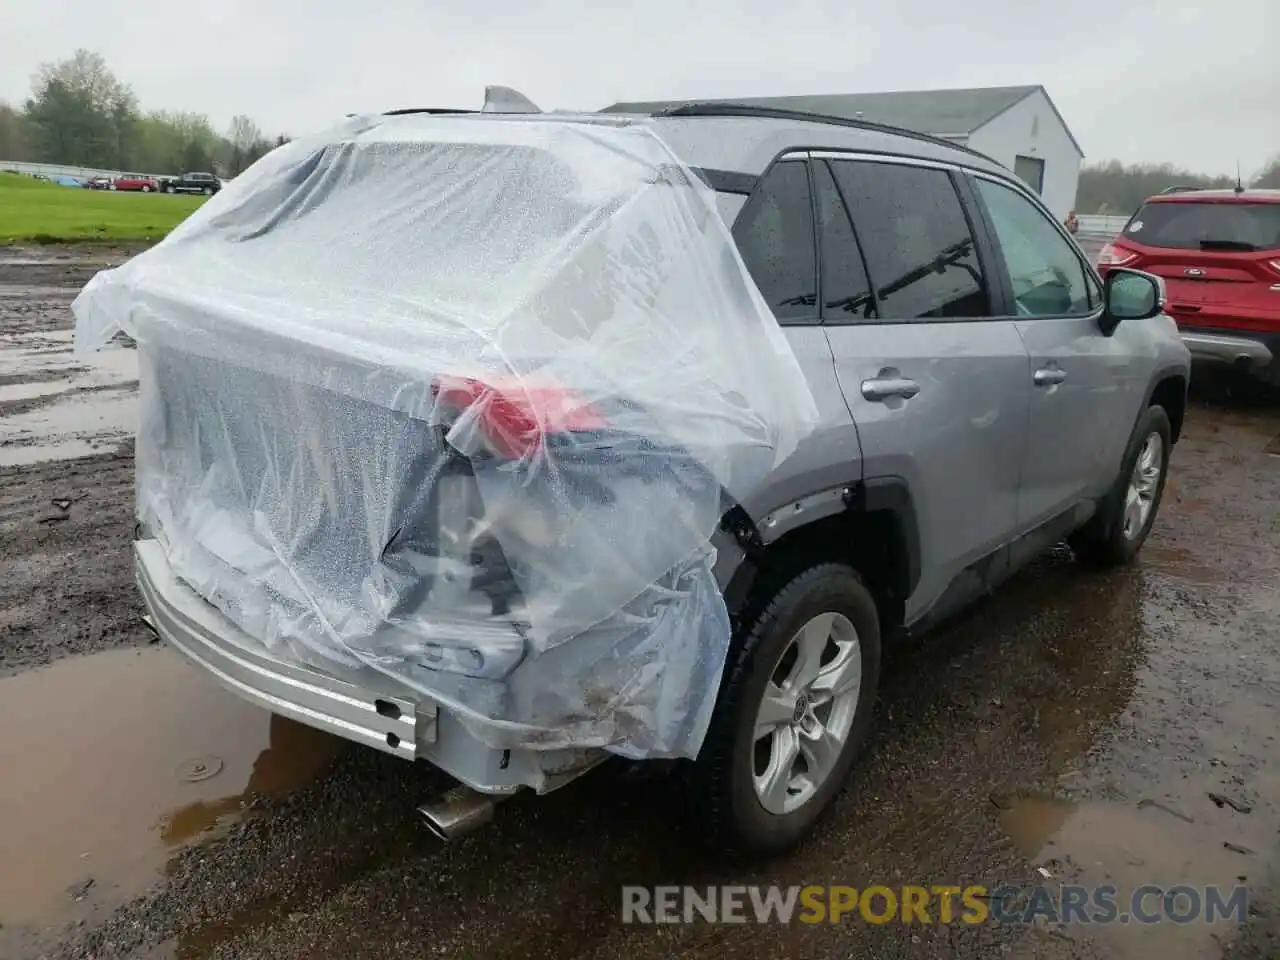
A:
x: 1071, y: 729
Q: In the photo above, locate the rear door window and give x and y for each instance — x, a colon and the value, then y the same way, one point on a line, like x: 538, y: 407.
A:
x: 1188, y: 225
x: 775, y: 236
x: 846, y: 291
x: 920, y: 252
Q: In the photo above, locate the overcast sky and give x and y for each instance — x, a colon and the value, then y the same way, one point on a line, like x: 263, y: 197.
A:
x: 1189, y: 81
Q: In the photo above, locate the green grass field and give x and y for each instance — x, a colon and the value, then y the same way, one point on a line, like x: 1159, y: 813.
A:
x: 32, y: 211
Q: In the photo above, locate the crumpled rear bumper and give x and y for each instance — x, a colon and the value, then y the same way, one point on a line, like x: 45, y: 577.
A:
x: 364, y: 707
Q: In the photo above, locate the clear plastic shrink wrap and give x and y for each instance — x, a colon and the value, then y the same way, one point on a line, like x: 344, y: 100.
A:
x: 462, y: 398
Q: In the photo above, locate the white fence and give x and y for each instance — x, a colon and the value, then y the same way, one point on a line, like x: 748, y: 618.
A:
x: 62, y: 170
x: 1101, y: 226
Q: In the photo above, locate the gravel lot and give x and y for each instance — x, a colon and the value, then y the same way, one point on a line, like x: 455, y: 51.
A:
x: 1074, y: 726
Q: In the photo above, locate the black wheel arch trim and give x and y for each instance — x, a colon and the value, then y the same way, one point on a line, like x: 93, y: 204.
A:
x: 746, y: 540
x: 892, y: 494
x: 1163, y: 375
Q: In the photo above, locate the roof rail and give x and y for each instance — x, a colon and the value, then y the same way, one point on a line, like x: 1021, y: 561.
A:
x: 1179, y: 189
x: 496, y: 100
x: 442, y: 110
x: 716, y: 108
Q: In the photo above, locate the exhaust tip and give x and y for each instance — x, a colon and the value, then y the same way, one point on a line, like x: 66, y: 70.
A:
x: 432, y: 825
x: 456, y: 813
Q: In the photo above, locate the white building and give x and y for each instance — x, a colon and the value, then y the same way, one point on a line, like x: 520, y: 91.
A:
x: 1018, y: 127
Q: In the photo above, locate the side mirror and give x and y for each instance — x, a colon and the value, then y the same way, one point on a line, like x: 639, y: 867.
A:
x: 1130, y: 295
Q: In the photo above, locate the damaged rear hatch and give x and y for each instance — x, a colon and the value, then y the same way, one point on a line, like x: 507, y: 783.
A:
x: 462, y: 399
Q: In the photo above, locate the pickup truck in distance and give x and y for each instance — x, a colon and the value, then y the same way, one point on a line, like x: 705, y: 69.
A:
x: 205, y: 183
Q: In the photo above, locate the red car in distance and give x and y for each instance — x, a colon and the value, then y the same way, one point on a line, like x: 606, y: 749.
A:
x: 1219, y: 254
x: 135, y: 182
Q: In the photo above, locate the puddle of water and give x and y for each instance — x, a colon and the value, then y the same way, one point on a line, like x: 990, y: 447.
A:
x: 1152, y: 841
x: 1129, y: 846
x: 98, y: 755
x: 33, y: 361
x: 122, y: 370
x: 1090, y: 640
x: 50, y: 353
x: 1177, y: 562
x: 1032, y: 822
x: 103, y: 415
x: 97, y: 413
x: 1188, y: 719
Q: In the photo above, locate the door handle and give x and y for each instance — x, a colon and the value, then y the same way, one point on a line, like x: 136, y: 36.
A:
x: 1048, y: 376
x: 882, y: 388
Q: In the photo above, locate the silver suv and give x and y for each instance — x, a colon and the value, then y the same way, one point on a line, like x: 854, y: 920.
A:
x: 983, y: 395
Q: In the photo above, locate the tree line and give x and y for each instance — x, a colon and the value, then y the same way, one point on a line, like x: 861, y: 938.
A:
x: 1117, y: 188
x: 80, y: 114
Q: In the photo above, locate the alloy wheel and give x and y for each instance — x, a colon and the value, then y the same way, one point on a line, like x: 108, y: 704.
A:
x: 806, y: 713
x: 1144, y: 482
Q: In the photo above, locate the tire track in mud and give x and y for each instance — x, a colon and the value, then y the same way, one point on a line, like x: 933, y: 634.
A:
x: 66, y: 529
x: 30, y: 404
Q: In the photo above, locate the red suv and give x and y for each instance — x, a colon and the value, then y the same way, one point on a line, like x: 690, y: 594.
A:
x: 1219, y: 254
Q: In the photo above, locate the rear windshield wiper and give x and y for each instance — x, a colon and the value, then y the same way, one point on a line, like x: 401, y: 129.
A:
x: 1227, y: 245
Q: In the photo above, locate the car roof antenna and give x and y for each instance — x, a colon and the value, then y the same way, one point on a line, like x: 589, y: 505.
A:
x: 507, y: 100
x: 1239, y: 182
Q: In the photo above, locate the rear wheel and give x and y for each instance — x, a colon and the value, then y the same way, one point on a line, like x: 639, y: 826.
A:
x: 207, y: 191
x: 170, y: 189
x: 145, y: 188
x: 1119, y: 529
x: 794, y: 711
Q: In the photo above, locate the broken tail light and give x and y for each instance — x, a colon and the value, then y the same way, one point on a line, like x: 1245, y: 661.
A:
x: 515, y: 417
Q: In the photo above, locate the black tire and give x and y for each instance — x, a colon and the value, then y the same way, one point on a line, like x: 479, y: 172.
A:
x: 170, y: 189
x: 1103, y: 542
x: 733, y: 819
x: 145, y: 188
x: 207, y: 191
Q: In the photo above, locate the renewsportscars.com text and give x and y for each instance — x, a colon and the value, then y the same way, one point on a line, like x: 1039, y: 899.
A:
x: 1147, y: 904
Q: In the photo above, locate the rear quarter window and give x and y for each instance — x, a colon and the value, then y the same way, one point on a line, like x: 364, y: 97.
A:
x: 775, y: 238
x: 1191, y: 226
